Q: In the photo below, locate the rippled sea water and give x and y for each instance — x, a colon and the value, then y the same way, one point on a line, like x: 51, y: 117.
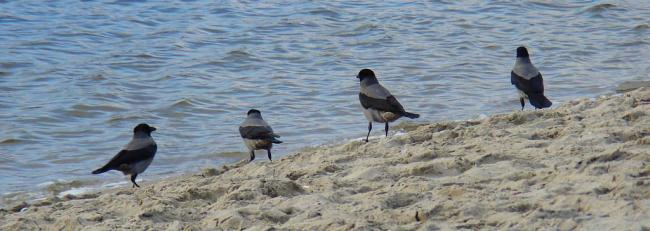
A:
x: 76, y: 76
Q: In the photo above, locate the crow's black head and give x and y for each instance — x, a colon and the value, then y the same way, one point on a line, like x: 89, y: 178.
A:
x: 365, y: 73
x: 251, y: 111
x: 143, y: 128
x: 522, y: 52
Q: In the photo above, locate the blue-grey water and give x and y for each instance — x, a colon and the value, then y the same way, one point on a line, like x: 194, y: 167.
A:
x: 76, y: 76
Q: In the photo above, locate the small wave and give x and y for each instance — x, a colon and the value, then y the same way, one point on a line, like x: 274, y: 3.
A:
x: 213, y: 31
x: 145, y: 56
x: 77, y: 113
x: 11, y: 65
x: 52, y: 190
x: 168, y: 9
x: 360, y: 30
x: 218, y: 11
x: 56, y: 187
x: 239, y: 55
x: 642, y: 27
x: 86, y: 107
x: 182, y: 103
x: 127, y: 2
x: 633, y: 43
x: 38, y: 43
x: 325, y: 12
x: 13, y: 198
x: 75, y: 191
x: 163, y: 33
x: 138, y: 65
x: 117, y: 118
x: 492, y: 46
x: 83, y: 34
x: 545, y: 4
x: 118, y: 34
x: 213, y: 63
x: 600, y: 7
x: 561, y: 5
x: 98, y: 77
x: 11, y: 141
x: 11, y: 18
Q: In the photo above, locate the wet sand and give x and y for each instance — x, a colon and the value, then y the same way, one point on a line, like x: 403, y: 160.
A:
x: 582, y: 165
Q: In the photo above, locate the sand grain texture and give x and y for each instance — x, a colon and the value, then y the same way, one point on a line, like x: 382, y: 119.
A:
x: 583, y: 165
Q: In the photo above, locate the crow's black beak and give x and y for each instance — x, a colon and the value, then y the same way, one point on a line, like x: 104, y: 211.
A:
x: 357, y: 76
x: 153, y: 129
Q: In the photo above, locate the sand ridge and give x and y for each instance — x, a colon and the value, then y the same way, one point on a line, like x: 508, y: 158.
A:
x: 582, y: 165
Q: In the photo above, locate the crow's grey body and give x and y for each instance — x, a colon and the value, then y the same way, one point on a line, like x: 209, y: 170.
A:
x: 525, y: 68
x: 136, y: 156
x: 379, y: 105
x: 257, y: 134
x: 528, y: 81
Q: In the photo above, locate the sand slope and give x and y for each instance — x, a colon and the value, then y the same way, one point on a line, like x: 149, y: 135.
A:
x: 582, y: 165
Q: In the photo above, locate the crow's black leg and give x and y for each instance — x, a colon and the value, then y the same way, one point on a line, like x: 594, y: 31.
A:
x: 386, y: 129
x: 521, y: 100
x: 369, y: 128
x: 268, y: 151
x: 252, y: 155
x: 133, y: 176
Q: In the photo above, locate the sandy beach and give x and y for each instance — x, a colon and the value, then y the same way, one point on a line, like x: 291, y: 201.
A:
x: 580, y: 166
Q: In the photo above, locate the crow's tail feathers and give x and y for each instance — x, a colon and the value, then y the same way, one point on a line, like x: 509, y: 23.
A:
x: 539, y: 101
x: 101, y: 170
x: 411, y: 115
x: 276, y: 141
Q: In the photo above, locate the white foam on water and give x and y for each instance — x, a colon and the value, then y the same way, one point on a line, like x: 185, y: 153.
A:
x: 363, y: 138
x: 113, y: 184
x: 76, y: 191
x: 45, y: 184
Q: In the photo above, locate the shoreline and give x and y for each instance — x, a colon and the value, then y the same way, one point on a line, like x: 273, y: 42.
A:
x: 76, y: 186
x: 581, y: 165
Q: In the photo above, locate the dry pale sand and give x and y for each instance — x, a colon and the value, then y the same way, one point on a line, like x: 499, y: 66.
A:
x: 583, y: 165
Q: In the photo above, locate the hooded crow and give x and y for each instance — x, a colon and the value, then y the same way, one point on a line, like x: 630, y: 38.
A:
x: 136, y: 156
x: 528, y: 81
x: 378, y: 104
x: 257, y: 134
